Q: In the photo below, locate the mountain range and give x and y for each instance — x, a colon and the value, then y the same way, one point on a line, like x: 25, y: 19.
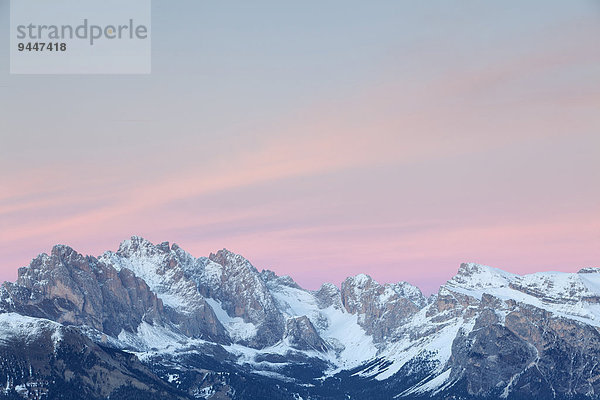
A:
x: 150, y: 321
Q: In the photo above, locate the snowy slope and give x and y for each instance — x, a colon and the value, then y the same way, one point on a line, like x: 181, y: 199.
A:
x: 14, y: 325
x: 568, y: 295
x: 350, y: 344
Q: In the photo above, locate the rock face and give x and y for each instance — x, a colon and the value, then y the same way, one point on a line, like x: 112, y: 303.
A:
x: 302, y: 335
x: 232, y: 280
x: 165, y: 269
x: 380, y: 308
x: 531, y: 353
x: 489, y: 357
x: 529, y: 336
x: 184, y: 283
x: 271, y: 277
x: 329, y: 296
x: 75, y: 290
x: 214, y: 327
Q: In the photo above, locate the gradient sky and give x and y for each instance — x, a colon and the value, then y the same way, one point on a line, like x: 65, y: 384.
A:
x: 321, y: 139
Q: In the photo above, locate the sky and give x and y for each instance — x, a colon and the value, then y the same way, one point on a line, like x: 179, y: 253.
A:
x: 321, y: 139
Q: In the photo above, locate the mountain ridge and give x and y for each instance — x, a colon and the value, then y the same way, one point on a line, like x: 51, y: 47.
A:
x: 219, y: 313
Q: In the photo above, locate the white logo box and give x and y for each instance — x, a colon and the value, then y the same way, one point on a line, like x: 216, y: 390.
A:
x: 80, y: 36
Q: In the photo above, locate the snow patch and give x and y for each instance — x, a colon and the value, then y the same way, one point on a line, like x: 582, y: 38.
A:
x: 237, y: 328
x: 13, y: 325
x: 152, y: 337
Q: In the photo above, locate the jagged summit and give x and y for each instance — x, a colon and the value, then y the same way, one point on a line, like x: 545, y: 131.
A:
x: 137, y: 245
x: 150, y: 261
x: 589, y: 270
x: 61, y: 249
x: 361, y: 280
x: 477, y: 276
x: 473, y: 269
x: 230, y: 259
x: 269, y: 276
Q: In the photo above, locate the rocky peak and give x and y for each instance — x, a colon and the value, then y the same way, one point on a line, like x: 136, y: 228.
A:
x: 60, y: 256
x: 272, y: 278
x: 138, y: 246
x: 67, y: 255
x: 73, y: 289
x: 560, y: 287
x: 357, y: 289
x: 286, y: 280
x: 157, y: 264
x: 184, y: 282
x: 477, y: 276
x: 329, y: 295
x: 236, y: 283
x: 267, y: 275
x: 165, y: 269
x: 411, y: 292
x: 361, y: 281
x: 380, y: 308
x: 302, y: 335
x: 62, y: 273
x: 589, y: 270
x: 231, y: 261
x: 565, y: 289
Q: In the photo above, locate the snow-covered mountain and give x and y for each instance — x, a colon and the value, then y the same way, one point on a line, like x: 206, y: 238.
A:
x: 215, y: 327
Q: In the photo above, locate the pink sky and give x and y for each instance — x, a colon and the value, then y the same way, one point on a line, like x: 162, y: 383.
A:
x: 485, y: 151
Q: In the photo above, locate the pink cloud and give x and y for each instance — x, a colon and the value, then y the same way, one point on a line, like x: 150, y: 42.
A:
x: 393, y: 123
